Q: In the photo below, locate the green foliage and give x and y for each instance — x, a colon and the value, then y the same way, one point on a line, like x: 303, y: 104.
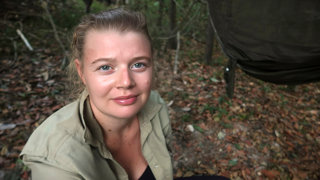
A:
x: 283, y: 101
x: 220, y: 60
x: 201, y: 79
x: 266, y: 88
x: 192, y: 75
x: 243, y: 116
x: 67, y: 14
x: 186, y: 117
x: 69, y: 17
x: 224, y: 99
x: 14, y: 174
x: 226, y: 125
x: 98, y: 7
x: 170, y: 95
x: 210, y: 108
x: 198, y: 128
x: 237, y: 146
x: 233, y: 162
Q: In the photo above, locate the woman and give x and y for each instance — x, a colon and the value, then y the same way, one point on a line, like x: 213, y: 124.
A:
x: 118, y: 128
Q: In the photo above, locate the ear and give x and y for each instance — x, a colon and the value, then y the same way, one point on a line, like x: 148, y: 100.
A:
x: 79, y: 70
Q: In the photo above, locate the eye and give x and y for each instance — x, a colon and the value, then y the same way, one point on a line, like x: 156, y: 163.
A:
x: 105, y: 68
x: 139, y: 66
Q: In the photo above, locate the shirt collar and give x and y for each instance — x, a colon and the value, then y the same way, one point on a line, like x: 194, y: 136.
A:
x: 93, y: 134
x: 148, y: 112
x: 92, y: 131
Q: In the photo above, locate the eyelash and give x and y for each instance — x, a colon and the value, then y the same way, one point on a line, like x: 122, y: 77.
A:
x: 105, y: 66
x: 105, y: 69
x: 141, y: 67
x: 140, y: 64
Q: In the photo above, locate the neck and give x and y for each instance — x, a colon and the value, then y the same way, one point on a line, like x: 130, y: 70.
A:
x: 119, y: 132
x: 117, y: 127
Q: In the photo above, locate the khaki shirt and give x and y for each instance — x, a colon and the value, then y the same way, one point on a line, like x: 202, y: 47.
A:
x: 69, y: 144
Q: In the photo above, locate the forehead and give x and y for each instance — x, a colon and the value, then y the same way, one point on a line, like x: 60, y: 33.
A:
x: 112, y: 42
x: 105, y: 36
x: 112, y: 33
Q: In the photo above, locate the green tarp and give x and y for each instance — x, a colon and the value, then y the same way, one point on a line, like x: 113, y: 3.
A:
x: 276, y: 41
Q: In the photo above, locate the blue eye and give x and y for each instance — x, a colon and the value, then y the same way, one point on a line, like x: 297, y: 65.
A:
x: 138, y: 65
x: 105, y: 68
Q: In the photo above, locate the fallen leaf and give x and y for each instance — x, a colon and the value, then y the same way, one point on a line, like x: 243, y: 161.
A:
x: 271, y: 174
x: 188, y: 174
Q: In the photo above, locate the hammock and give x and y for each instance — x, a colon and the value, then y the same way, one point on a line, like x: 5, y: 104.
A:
x: 276, y: 41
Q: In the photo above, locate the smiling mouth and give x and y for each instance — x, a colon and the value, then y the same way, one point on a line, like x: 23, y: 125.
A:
x: 125, y: 100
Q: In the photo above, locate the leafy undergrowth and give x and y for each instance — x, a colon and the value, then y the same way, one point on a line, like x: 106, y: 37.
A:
x: 264, y: 131
x: 31, y: 89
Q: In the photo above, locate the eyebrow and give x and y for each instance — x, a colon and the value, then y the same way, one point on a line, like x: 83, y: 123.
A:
x: 142, y: 57
x: 112, y: 60
x: 103, y: 59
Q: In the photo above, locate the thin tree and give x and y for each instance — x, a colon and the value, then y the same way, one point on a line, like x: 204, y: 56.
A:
x: 160, y: 11
x: 209, y: 43
x: 173, y: 24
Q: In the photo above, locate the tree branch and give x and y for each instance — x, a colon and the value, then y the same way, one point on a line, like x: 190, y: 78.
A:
x: 25, y: 40
x: 175, y: 68
x: 56, y: 36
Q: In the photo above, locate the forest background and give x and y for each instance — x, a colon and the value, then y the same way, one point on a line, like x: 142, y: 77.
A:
x: 265, y: 131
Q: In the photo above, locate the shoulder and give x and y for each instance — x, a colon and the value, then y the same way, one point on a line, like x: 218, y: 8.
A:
x: 164, y: 109
x: 156, y: 98
x: 50, y: 136
x: 158, y: 110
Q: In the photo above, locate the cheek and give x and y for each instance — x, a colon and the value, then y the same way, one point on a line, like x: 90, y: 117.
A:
x: 99, y: 85
x: 148, y: 81
x: 143, y: 81
x: 147, y: 84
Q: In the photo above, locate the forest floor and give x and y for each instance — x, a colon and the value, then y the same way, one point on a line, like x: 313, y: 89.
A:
x: 265, y: 131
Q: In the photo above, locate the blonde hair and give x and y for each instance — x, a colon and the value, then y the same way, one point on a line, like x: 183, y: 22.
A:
x: 119, y: 19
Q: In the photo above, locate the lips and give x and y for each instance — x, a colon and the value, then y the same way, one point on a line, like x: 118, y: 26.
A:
x: 125, y: 100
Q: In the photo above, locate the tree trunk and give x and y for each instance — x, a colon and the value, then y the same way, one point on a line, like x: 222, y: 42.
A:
x: 172, y: 40
x: 209, y: 42
x: 145, y: 6
x: 136, y: 5
x: 88, y: 5
x: 160, y: 11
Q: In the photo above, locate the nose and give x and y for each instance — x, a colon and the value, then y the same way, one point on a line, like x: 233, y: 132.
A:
x: 125, y: 79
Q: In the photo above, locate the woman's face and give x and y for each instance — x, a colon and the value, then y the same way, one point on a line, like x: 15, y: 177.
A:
x: 117, y: 72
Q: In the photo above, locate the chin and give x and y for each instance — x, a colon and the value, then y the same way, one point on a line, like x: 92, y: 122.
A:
x: 127, y: 114
x: 126, y: 117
